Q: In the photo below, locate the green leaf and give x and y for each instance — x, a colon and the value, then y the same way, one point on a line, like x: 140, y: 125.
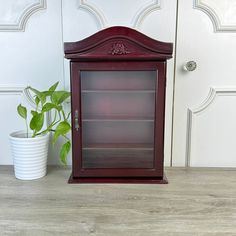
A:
x: 49, y: 106
x: 64, y: 152
x: 22, y: 111
x: 36, y: 122
x: 59, y: 107
x: 53, y: 87
x: 47, y: 93
x: 41, y: 96
x: 37, y: 100
x: 59, y: 97
x: 34, y: 113
x: 35, y: 91
x: 62, y: 129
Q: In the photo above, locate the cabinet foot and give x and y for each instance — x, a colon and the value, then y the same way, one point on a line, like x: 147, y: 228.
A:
x: 117, y: 180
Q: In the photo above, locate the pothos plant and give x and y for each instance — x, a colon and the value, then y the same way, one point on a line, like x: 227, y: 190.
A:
x: 49, y: 101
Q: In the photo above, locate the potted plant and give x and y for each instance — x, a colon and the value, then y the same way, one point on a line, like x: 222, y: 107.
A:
x: 30, y: 147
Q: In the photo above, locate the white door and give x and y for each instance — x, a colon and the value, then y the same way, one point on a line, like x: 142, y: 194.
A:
x: 32, y: 33
x: 204, y: 131
x: 31, y: 54
x: 155, y: 18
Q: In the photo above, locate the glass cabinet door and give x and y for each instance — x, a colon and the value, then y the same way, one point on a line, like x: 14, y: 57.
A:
x: 118, y: 112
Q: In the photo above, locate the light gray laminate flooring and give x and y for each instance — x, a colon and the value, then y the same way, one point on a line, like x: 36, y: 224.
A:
x: 195, y: 202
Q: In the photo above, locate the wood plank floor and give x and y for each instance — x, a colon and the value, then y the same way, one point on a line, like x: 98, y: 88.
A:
x: 195, y: 202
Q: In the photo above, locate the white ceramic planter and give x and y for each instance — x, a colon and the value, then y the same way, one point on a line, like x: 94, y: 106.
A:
x: 29, y: 155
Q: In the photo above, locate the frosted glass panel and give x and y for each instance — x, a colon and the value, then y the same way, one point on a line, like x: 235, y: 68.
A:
x: 118, y: 110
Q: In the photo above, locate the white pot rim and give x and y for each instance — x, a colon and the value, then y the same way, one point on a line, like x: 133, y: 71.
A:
x: 16, y: 136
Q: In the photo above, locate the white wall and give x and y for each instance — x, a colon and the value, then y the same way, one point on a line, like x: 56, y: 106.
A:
x: 32, y: 33
x: 31, y: 54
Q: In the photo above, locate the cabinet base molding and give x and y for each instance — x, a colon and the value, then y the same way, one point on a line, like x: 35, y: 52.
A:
x: 117, y: 180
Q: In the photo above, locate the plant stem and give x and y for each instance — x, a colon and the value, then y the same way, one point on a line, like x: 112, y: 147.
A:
x: 55, y: 116
x: 44, y: 131
x: 65, y: 137
x: 68, y: 116
x: 52, y: 124
x: 63, y: 113
x: 34, y: 134
x: 27, y: 129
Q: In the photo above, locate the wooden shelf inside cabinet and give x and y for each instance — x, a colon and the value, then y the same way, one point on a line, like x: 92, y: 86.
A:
x: 114, y: 155
x: 119, y: 91
x: 118, y: 78
x: 125, y: 118
x: 147, y: 146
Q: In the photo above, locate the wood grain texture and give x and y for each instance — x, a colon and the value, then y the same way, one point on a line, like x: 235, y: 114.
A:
x: 118, y: 42
x: 113, y: 49
x: 198, y: 202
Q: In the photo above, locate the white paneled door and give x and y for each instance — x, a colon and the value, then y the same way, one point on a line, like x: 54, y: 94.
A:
x: 205, y: 98
x: 155, y: 18
x: 32, y: 33
x: 31, y: 54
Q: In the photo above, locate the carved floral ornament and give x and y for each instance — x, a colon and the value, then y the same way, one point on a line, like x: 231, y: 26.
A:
x: 118, y: 49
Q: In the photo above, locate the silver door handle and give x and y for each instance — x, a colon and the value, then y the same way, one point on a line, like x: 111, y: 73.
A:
x: 190, y: 66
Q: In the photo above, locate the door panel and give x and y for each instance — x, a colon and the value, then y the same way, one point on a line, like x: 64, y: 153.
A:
x: 204, y: 109
x: 147, y: 16
x: 31, y: 54
x: 32, y: 36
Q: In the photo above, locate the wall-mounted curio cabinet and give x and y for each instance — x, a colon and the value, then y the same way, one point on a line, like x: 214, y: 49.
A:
x: 118, y: 79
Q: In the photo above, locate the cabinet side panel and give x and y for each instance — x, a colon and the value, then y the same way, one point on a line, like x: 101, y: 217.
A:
x: 75, y: 108
x: 160, y: 118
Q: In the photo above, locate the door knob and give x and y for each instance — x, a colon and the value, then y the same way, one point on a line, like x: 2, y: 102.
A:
x: 190, y: 66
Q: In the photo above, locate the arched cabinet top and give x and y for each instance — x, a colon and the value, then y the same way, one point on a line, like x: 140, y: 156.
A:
x: 118, y: 43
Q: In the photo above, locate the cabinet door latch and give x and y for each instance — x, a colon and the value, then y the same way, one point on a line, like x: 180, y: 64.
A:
x: 76, y: 120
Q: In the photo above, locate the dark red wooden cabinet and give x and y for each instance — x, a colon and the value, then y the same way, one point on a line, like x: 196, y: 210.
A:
x: 118, y: 79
